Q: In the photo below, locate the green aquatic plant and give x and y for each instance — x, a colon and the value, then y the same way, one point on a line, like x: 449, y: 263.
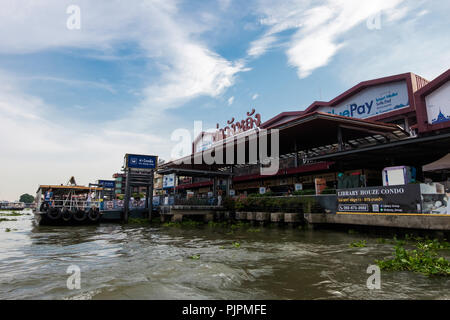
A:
x: 12, y: 214
x: 138, y: 221
x: 240, y: 225
x: 254, y: 230
x: 191, y: 223
x: 358, y: 244
x: 424, y: 259
x: 172, y: 224
x: 351, y: 231
x: 195, y: 257
x: 381, y: 240
x: 213, y: 224
x: 236, y: 244
x: 7, y: 230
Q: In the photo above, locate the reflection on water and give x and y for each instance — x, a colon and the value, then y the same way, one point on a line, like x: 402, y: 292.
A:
x: 144, y: 262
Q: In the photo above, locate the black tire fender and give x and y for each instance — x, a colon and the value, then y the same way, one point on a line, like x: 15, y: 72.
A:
x: 79, y: 215
x: 66, y: 214
x: 54, y: 213
x: 93, y: 214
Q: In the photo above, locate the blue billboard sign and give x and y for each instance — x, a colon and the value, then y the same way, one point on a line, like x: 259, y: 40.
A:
x: 107, y: 184
x: 141, y: 161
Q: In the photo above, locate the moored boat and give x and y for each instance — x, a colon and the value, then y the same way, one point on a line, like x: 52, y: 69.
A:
x: 12, y: 206
x: 67, y: 205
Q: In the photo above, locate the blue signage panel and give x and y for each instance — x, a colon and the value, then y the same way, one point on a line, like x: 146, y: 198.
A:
x: 141, y: 161
x: 108, y: 184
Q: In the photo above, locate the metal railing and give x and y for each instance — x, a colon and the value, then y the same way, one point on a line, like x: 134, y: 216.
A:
x: 73, y: 203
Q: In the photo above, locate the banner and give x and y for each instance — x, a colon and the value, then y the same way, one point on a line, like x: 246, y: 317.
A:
x: 373, y: 101
x: 169, y: 181
x: 393, y: 199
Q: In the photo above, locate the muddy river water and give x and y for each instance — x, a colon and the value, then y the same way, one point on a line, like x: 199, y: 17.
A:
x: 197, y: 262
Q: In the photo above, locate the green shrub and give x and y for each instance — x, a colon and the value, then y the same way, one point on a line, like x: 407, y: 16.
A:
x: 275, y: 204
x: 308, y: 192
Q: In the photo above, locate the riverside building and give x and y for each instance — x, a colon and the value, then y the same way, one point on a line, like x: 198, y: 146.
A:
x: 401, y: 120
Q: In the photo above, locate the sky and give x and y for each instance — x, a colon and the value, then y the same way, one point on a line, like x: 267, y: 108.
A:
x: 82, y: 86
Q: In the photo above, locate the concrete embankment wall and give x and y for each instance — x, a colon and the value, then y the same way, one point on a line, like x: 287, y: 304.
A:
x: 424, y: 222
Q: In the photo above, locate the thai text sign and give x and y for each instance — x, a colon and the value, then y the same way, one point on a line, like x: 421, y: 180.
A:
x: 140, y: 161
x: 393, y: 199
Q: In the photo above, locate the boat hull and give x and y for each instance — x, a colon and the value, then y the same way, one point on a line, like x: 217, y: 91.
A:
x: 42, y: 219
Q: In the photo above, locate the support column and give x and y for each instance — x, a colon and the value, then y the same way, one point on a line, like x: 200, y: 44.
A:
x: 339, y: 136
x: 126, y: 204
x: 215, y: 187
x: 296, y: 154
x: 150, y: 198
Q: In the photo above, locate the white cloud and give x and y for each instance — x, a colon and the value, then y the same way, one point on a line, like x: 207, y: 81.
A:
x: 260, y: 46
x: 318, y: 28
x: 44, y: 148
x: 188, y: 67
x: 230, y: 101
x: 38, y: 148
x: 255, y: 96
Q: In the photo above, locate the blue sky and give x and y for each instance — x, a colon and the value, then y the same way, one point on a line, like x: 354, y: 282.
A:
x: 73, y: 102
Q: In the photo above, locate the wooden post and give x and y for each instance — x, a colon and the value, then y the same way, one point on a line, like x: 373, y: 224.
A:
x: 126, y: 204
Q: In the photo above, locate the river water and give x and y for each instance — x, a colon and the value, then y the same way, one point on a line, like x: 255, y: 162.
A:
x: 155, y: 262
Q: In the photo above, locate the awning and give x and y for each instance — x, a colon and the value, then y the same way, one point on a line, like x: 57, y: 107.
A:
x: 441, y: 164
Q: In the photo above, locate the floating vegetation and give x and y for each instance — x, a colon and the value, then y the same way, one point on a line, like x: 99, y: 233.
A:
x: 254, y: 230
x: 381, y: 241
x: 4, y: 219
x: 213, y: 224
x: 7, y: 230
x: 240, y: 225
x: 138, y: 221
x: 351, y: 231
x: 12, y: 214
x: 172, y: 224
x: 195, y: 257
x: 191, y: 223
x: 424, y: 259
x: 185, y: 223
x: 358, y: 244
x: 236, y: 244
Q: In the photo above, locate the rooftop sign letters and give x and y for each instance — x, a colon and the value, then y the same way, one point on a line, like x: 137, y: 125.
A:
x: 252, y: 121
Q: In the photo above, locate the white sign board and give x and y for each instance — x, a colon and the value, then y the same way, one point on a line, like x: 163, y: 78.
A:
x: 232, y: 193
x: 169, y: 181
x: 298, y: 186
x: 373, y: 101
x: 438, y: 105
x: 262, y: 190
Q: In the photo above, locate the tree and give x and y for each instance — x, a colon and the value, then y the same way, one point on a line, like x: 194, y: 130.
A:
x: 27, y: 198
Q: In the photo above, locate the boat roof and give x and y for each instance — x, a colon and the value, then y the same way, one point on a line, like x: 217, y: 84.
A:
x: 60, y: 187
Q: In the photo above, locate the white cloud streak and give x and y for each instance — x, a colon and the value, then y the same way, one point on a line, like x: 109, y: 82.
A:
x: 317, y: 28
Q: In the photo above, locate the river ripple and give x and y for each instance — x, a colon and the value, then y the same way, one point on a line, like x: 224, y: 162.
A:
x: 148, y: 262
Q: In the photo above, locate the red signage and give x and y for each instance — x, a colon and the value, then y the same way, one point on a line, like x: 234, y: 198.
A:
x: 252, y: 121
